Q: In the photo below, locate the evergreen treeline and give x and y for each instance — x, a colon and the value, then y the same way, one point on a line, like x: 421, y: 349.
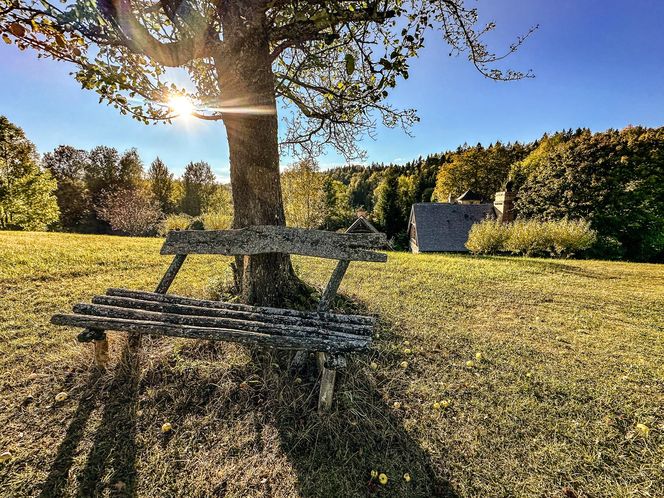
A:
x: 614, y: 180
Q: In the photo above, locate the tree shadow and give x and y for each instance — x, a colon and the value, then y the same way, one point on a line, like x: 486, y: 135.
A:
x: 113, y: 448
x: 557, y: 266
x: 363, y: 432
x: 332, y: 454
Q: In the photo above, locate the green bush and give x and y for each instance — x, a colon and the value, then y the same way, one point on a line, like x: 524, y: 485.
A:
x: 529, y: 238
x: 216, y: 221
x: 175, y: 222
x: 562, y: 238
x: 487, y: 237
x: 570, y: 237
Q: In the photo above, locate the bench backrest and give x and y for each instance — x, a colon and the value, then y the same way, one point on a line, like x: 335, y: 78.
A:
x: 268, y: 239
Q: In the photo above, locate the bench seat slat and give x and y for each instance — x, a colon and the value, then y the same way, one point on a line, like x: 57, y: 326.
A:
x: 214, y: 322
x: 236, y: 315
x: 159, y: 328
x: 171, y: 298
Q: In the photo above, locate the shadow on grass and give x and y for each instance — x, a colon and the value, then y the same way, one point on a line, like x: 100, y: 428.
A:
x: 334, y: 454
x: 113, y: 445
x: 558, y: 265
x: 330, y: 455
x: 57, y: 477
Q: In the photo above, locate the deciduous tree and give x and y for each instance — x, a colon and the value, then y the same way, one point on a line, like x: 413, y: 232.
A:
x: 304, y: 198
x: 333, y: 62
x: 68, y: 165
x: 130, y: 211
x: 27, y: 201
x: 161, y: 185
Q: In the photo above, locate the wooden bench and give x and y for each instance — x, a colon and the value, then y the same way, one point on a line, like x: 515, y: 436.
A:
x: 157, y: 313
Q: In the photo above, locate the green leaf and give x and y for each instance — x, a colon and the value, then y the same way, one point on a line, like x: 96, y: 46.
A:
x: 350, y: 64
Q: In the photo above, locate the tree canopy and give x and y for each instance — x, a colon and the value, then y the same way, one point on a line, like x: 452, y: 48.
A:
x: 27, y: 199
x: 334, y: 62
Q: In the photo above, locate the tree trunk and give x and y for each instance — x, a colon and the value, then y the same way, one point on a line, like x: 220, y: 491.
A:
x: 250, y: 117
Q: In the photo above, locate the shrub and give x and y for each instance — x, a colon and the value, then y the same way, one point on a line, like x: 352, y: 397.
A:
x: 529, y: 238
x: 606, y: 248
x: 487, y: 237
x: 570, y: 237
x: 130, y: 211
x: 175, y: 222
x: 216, y: 221
x: 561, y: 238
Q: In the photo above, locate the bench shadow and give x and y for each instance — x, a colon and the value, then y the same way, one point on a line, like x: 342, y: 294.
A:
x: 333, y: 454
x: 57, y: 477
x: 113, y: 449
x: 363, y: 431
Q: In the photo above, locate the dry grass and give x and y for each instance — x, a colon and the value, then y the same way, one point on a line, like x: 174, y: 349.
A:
x: 572, y: 359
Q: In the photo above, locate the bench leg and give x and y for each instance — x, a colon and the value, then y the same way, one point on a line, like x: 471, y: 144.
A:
x: 101, y: 352
x: 327, y: 380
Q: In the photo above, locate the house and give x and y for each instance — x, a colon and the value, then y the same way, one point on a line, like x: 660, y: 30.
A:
x: 469, y: 197
x: 362, y: 225
x: 444, y: 226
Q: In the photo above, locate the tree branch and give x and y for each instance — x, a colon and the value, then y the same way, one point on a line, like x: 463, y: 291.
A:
x: 138, y: 39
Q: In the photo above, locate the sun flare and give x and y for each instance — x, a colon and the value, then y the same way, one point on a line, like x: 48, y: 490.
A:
x: 181, y: 105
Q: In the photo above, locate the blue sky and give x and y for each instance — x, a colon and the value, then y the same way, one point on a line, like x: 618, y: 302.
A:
x: 598, y: 64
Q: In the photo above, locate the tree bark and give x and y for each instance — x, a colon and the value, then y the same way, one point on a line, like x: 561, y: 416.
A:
x: 250, y: 117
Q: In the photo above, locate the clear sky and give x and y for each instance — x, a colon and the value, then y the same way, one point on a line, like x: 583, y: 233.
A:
x: 598, y: 64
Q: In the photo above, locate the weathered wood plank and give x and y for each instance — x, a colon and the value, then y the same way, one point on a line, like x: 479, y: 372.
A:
x: 181, y: 309
x: 171, y: 298
x: 333, y: 285
x: 213, y: 322
x: 267, y: 238
x: 215, y: 334
x: 170, y: 274
x: 327, y: 380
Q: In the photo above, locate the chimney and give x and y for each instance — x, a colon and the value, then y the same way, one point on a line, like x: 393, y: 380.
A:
x: 504, y: 204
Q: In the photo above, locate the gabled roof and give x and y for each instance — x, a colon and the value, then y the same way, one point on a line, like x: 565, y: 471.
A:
x: 443, y: 227
x: 469, y: 195
x: 362, y: 225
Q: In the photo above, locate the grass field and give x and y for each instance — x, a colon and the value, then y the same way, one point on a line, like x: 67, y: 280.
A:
x: 572, y: 359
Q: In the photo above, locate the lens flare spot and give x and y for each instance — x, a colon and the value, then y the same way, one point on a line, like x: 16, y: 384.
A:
x: 181, y: 105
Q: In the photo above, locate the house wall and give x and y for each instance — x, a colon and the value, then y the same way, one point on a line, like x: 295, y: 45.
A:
x: 412, y: 238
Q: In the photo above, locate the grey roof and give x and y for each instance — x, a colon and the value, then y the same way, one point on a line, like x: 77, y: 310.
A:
x: 469, y: 195
x: 442, y: 227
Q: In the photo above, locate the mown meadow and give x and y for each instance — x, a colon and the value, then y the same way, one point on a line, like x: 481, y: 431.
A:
x: 490, y: 376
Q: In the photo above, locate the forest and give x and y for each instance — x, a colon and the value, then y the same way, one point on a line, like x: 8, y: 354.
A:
x: 614, y: 180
